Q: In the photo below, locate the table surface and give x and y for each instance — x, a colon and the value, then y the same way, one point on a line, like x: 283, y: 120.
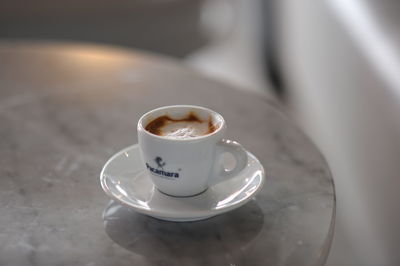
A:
x: 66, y: 108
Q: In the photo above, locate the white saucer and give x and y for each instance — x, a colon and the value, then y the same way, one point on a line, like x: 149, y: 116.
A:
x: 124, y: 179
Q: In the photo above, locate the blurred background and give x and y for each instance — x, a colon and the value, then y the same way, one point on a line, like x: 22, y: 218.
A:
x: 334, y: 64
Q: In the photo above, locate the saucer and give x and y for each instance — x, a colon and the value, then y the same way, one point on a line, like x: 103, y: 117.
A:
x: 124, y: 179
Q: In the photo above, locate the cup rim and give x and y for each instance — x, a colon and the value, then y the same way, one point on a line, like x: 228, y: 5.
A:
x: 221, y: 127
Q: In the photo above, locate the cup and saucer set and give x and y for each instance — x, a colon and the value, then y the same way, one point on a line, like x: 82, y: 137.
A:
x: 182, y: 178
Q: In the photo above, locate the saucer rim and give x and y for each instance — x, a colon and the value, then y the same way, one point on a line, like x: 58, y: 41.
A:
x: 194, y: 216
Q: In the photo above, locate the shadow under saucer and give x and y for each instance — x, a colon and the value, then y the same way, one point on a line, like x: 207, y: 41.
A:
x: 145, y: 235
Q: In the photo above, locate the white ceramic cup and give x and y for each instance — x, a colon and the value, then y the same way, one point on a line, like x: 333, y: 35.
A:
x: 187, y: 167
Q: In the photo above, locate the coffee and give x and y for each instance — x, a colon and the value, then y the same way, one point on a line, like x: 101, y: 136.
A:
x: 183, y: 148
x: 188, y: 127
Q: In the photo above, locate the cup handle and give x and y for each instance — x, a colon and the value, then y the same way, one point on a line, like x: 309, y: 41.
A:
x: 238, y: 152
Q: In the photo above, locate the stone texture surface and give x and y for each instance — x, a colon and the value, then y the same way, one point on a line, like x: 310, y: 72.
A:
x: 66, y: 108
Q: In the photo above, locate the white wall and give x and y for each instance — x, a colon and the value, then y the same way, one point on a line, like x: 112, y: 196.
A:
x: 345, y: 96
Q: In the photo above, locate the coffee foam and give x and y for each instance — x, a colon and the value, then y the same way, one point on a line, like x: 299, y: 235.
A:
x: 187, y: 127
x: 184, y: 130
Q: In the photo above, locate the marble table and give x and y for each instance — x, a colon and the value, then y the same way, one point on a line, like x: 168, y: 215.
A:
x: 66, y: 108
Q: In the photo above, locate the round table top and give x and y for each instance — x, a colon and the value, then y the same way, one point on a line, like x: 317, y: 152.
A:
x: 66, y: 108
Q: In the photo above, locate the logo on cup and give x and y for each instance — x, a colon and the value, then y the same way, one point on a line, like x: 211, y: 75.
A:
x: 159, y: 171
x: 159, y: 162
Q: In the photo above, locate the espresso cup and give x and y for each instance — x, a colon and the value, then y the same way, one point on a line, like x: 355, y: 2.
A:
x: 187, y: 166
